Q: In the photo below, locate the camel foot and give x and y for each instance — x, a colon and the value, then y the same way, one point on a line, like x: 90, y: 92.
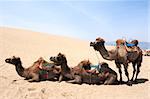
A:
x: 30, y: 80
x: 71, y: 81
x: 107, y: 83
x: 129, y: 83
x: 59, y: 81
x: 74, y: 82
x: 33, y: 80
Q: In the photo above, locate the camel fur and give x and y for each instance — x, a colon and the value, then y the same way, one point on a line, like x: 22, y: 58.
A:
x: 32, y: 73
x: 121, y: 55
x: 78, y: 74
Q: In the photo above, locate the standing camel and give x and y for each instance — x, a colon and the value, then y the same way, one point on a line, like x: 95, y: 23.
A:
x: 33, y: 73
x: 122, y: 55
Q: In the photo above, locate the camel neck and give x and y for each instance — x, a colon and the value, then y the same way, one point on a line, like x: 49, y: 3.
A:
x: 65, y: 68
x: 104, y: 53
x: 20, y: 69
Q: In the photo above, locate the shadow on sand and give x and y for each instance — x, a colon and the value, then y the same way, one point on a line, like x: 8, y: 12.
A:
x: 138, y: 81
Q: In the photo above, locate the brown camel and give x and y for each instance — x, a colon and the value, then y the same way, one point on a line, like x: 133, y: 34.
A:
x: 79, y: 75
x: 122, y: 55
x: 37, y: 71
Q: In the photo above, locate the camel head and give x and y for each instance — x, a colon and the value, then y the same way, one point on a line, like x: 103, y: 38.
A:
x: 85, y: 64
x: 59, y: 59
x: 98, y: 42
x: 14, y: 60
x: 120, y: 42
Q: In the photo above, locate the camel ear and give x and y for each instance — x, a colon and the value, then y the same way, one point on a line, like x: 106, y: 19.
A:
x: 41, y: 58
x: 18, y: 58
x: 59, y: 53
x: 117, y: 42
x: 89, y: 61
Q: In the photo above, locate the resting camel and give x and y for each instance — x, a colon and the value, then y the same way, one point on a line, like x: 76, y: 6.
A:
x: 79, y: 75
x: 37, y: 71
x: 122, y: 55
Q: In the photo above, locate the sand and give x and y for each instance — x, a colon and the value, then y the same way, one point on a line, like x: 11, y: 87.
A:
x: 30, y: 45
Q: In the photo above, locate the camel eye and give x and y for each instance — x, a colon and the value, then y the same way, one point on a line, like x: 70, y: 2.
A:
x: 58, y: 58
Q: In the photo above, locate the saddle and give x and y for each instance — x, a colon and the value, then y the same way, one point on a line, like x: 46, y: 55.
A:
x: 131, y: 46
x: 44, y: 68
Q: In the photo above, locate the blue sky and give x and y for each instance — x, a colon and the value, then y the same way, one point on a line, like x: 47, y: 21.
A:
x: 84, y: 19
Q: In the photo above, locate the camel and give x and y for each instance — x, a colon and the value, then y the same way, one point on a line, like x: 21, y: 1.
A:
x: 146, y: 52
x: 79, y: 75
x: 122, y: 55
x: 37, y: 71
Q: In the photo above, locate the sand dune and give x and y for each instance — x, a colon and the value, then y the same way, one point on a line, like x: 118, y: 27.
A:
x: 31, y: 45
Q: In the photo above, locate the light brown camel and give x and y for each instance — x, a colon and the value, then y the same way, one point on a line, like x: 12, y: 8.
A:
x: 37, y: 71
x: 122, y: 55
x: 79, y: 75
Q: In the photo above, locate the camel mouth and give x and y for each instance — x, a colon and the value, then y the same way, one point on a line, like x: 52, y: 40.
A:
x: 54, y: 59
x: 92, y: 43
x: 8, y: 60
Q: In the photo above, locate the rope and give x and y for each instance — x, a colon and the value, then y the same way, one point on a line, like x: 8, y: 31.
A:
x: 98, y: 59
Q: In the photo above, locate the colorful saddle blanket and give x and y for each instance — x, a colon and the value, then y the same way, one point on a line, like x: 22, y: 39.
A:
x: 44, y: 73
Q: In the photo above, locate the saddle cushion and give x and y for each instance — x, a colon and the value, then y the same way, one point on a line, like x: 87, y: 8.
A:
x: 129, y: 44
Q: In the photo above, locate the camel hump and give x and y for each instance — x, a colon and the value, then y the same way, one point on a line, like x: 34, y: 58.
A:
x: 132, y: 43
x: 135, y: 42
x: 40, y: 59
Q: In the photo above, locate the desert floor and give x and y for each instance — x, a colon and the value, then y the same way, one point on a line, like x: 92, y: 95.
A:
x: 29, y: 46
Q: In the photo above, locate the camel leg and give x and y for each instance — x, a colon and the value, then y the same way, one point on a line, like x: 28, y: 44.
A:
x: 110, y: 80
x: 134, y: 70
x: 139, y: 61
x: 126, y: 71
x: 120, y: 75
x: 120, y: 72
x: 71, y: 81
x: 138, y: 70
x: 76, y: 80
x: 127, y: 74
x: 35, y: 77
x: 60, y: 78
